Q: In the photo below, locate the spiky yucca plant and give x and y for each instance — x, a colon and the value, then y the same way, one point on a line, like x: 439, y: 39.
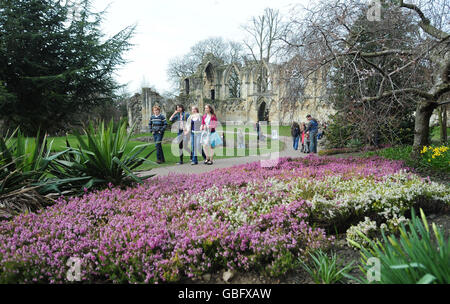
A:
x: 101, y: 158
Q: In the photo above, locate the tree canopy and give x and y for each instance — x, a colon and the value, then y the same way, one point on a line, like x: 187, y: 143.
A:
x: 55, y: 62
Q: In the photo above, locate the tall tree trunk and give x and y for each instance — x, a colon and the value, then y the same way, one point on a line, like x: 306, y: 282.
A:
x: 424, y: 111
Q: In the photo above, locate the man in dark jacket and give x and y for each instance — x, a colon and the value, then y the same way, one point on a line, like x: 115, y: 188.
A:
x: 158, y: 125
x: 313, y: 128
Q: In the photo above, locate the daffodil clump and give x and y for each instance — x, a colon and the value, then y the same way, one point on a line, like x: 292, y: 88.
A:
x: 436, y: 157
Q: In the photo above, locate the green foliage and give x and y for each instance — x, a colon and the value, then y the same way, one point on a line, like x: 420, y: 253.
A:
x: 285, y: 261
x: 339, y: 132
x: 395, y: 153
x: 326, y: 270
x: 101, y: 157
x: 6, y: 99
x: 420, y: 255
x: 23, y: 165
x: 435, y: 134
x: 436, y: 158
x: 23, y: 162
x: 387, y: 120
x: 54, y: 63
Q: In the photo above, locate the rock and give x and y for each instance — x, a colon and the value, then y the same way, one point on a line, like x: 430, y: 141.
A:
x: 207, y: 277
x: 228, y: 275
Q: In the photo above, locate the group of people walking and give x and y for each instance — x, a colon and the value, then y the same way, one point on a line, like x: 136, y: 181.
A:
x: 307, y: 133
x: 199, y: 130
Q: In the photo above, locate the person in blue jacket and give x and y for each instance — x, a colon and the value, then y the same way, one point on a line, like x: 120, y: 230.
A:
x: 158, y: 125
x: 313, y: 128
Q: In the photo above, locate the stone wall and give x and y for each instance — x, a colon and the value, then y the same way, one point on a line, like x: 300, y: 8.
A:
x: 134, y: 109
x: 257, y: 100
x: 140, y: 106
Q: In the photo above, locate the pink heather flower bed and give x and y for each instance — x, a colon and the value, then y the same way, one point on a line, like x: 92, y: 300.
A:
x: 162, y: 231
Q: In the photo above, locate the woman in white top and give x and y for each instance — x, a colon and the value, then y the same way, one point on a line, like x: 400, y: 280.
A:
x: 193, y: 126
x: 209, y: 124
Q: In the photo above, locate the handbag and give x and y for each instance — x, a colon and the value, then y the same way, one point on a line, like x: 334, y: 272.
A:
x: 215, y: 140
x: 204, y: 138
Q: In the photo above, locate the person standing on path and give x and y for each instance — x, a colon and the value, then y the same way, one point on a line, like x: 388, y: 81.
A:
x: 158, y: 125
x: 180, y: 117
x: 193, y: 126
x: 303, y: 134
x: 295, y: 132
x: 209, y: 124
x: 313, y: 128
x: 257, y: 130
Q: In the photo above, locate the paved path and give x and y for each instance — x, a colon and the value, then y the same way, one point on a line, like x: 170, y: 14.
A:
x: 187, y: 168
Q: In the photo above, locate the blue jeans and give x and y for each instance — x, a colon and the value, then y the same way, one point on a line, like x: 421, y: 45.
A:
x: 296, y: 139
x: 319, y: 136
x: 158, y: 137
x: 313, y: 143
x: 195, y: 146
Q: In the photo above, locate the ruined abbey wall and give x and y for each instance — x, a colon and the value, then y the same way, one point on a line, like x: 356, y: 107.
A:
x: 257, y: 99
x: 243, y: 94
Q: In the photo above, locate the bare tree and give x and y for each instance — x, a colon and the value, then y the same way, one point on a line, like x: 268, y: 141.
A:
x: 264, y: 33
x: 263, y: 43
x: 405, y: 67
x: 227, y: 51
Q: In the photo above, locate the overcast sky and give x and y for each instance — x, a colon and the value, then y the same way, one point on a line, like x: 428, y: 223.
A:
x: 166, y: 29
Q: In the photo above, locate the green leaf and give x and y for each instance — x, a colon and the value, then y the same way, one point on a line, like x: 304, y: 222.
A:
x: 427, y: 279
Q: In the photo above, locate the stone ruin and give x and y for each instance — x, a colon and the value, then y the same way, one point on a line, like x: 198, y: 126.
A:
x: 140, y: 106
x: 250, y: 93
x: 246, y: 94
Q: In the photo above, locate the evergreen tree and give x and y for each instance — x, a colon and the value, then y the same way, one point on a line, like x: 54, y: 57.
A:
x: 55, y: 62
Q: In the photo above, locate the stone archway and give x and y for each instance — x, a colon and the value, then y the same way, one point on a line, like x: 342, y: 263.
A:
x: 263, y: 111
x: 209, y: 82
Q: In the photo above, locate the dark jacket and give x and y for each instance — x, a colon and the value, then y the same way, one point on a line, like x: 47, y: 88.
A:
x: 295, y: 130
x: 180, y: 117
x: 313, y: 126
x: 158, y: 123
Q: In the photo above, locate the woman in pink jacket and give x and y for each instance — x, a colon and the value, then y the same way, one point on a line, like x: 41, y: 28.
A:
x: 209, y: 124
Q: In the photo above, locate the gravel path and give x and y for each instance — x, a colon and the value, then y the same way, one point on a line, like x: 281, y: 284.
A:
x: 187, y: 168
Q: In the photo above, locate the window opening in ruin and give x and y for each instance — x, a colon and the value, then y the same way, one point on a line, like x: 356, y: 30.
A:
x: 209, y: 73
x: 263, y: 113
x: 234, y: 84
x: 186, y: 86
x: 213, y: 95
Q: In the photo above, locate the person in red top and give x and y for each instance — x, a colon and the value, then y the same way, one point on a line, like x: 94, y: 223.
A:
x: 209, y: 124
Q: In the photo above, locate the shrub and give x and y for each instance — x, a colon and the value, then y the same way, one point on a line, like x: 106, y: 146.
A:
x: 23, y: 177
x: 419, y: 255
x: 100, y: 160
x: 338, y: 132
x: 367, y: 227
x: 396, y: 153
x: 435, y: 158
x: 325, y: 269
